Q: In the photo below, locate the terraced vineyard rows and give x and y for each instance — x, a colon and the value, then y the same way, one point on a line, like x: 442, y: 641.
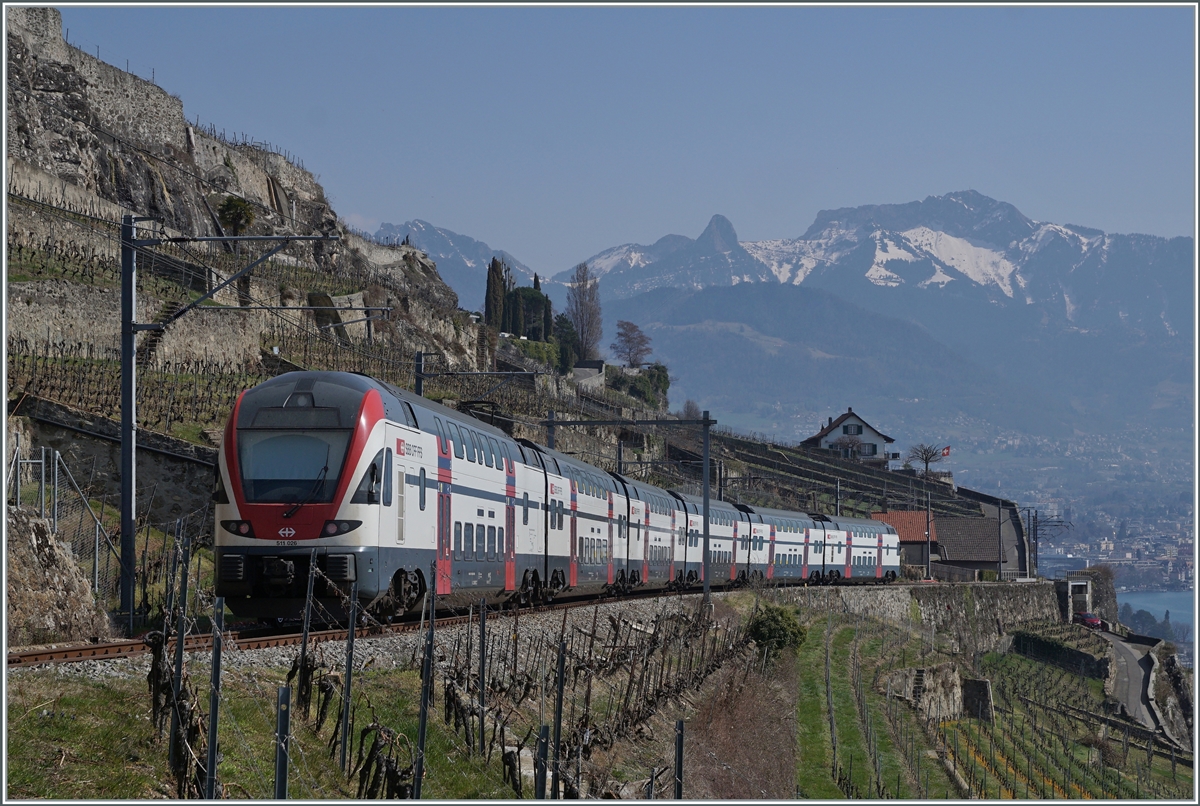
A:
x: 1053, y: 734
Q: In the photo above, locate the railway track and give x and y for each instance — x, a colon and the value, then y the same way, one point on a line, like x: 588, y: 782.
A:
x: 258, y: 638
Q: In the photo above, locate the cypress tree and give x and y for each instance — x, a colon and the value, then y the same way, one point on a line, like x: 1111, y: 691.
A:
x: 547, y: 319
x: 537, y: 284
x: 493, y: 303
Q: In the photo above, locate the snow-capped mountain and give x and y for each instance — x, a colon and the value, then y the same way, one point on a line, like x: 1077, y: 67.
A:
x: 1101, y: 322
x: 964, y: 244
x: 461, y: 260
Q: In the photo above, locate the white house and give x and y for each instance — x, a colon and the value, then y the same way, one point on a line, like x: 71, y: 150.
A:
x: 854, y: 438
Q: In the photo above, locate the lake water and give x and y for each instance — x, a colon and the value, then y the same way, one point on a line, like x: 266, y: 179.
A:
x: 1180, y: 603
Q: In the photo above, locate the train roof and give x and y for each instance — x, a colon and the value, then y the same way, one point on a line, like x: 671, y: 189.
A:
x: 648, y: 493
x: 572, y: 467
x: 399, y: 405
x: 810, y: 519
x: 695, y: 504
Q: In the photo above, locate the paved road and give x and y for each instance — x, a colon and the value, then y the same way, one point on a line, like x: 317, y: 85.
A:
x: 1133, y: 678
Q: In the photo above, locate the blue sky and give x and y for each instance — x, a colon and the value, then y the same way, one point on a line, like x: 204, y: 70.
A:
x: 554, y: 133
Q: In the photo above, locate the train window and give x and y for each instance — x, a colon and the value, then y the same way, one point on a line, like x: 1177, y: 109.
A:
x: 469, y: 444
x: 486, y: 456
x: 500, y: 545
x: 507, y: 455
x: 525, y: 509
x: 456, y: 436
x: 468, y: 541
x: 562, y: 514
x: 497, y: 458
x: 437, y: 424
x: 479, y: 541
x: 458, y: 535
x: 367, y: 491
x: 491, y: 542
x: 421, y: 494
x: 387, y: 478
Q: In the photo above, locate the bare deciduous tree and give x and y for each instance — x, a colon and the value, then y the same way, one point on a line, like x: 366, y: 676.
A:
x: 583, y: 309
x: 848, y: 444
x: 632, y: 345
x: 691, y: 410
x: 928, y: 454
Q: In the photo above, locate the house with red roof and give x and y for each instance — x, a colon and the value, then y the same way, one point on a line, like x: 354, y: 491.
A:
x: 910, y: 524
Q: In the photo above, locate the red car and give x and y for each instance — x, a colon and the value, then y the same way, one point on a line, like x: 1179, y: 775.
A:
x: 1087, y: 620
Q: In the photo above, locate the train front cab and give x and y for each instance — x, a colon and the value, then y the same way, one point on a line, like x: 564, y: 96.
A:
x: 310, y: 467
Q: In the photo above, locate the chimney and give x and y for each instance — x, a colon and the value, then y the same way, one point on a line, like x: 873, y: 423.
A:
x: 849, y: 410
x: 830, y: 422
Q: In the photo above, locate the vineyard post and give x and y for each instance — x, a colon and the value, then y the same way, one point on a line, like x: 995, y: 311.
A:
x: 679, y: 759
x: 539, y: 770
x: 349, y: 672
x: 558, y: 702
x: 180, y: 630
x: 282, y: 731
x: 301, y: 697
x: 55, y: 509
x: 426, y: 688
x: 214, y: 699
x: 482, y: 667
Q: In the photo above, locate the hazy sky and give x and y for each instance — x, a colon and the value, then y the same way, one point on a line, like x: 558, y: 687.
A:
x: 554, y: 133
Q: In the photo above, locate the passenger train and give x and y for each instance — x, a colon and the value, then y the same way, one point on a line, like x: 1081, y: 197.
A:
x: 398, y: 494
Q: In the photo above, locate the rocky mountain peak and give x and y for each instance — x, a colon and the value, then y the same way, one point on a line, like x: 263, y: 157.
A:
x: 719, y: 235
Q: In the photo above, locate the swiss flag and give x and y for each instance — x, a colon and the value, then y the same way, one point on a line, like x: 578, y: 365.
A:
x: 946, y: 451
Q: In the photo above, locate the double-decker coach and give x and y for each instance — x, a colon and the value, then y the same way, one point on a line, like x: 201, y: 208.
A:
x: 587, y: 549
x: 689, y: 550
x: 653, y: 518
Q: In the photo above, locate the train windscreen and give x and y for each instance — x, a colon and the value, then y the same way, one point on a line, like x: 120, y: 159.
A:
x: 292, y: 435
x: 284, y: 467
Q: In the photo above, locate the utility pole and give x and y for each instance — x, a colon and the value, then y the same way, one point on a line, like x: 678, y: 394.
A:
x: 928, y: 542
x: 129, y: 330
x: 707, y: 575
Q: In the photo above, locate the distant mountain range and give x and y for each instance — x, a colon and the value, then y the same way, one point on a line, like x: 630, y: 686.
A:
x: 1041, y: 327
x: 461, y: 261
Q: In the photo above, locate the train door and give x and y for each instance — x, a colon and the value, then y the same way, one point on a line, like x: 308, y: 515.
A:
x: 646, y: 545
x: 676, y: 537
x: 510, y: 522
x: 609, y: 555
x: 771, y: 554
x: 573, y: 562
x: 444, y: 487
x: 733, y: 554
x: 804, y: 555
x: 849, y: 572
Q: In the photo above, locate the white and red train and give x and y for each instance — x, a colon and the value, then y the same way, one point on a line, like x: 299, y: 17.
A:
x: 382, y: 486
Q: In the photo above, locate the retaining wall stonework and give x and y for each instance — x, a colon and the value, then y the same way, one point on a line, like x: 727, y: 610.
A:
x: 966, y: 617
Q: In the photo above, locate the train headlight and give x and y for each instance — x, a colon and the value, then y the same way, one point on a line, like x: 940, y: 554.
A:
x: 242, y: 528
x: 332, y: 528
